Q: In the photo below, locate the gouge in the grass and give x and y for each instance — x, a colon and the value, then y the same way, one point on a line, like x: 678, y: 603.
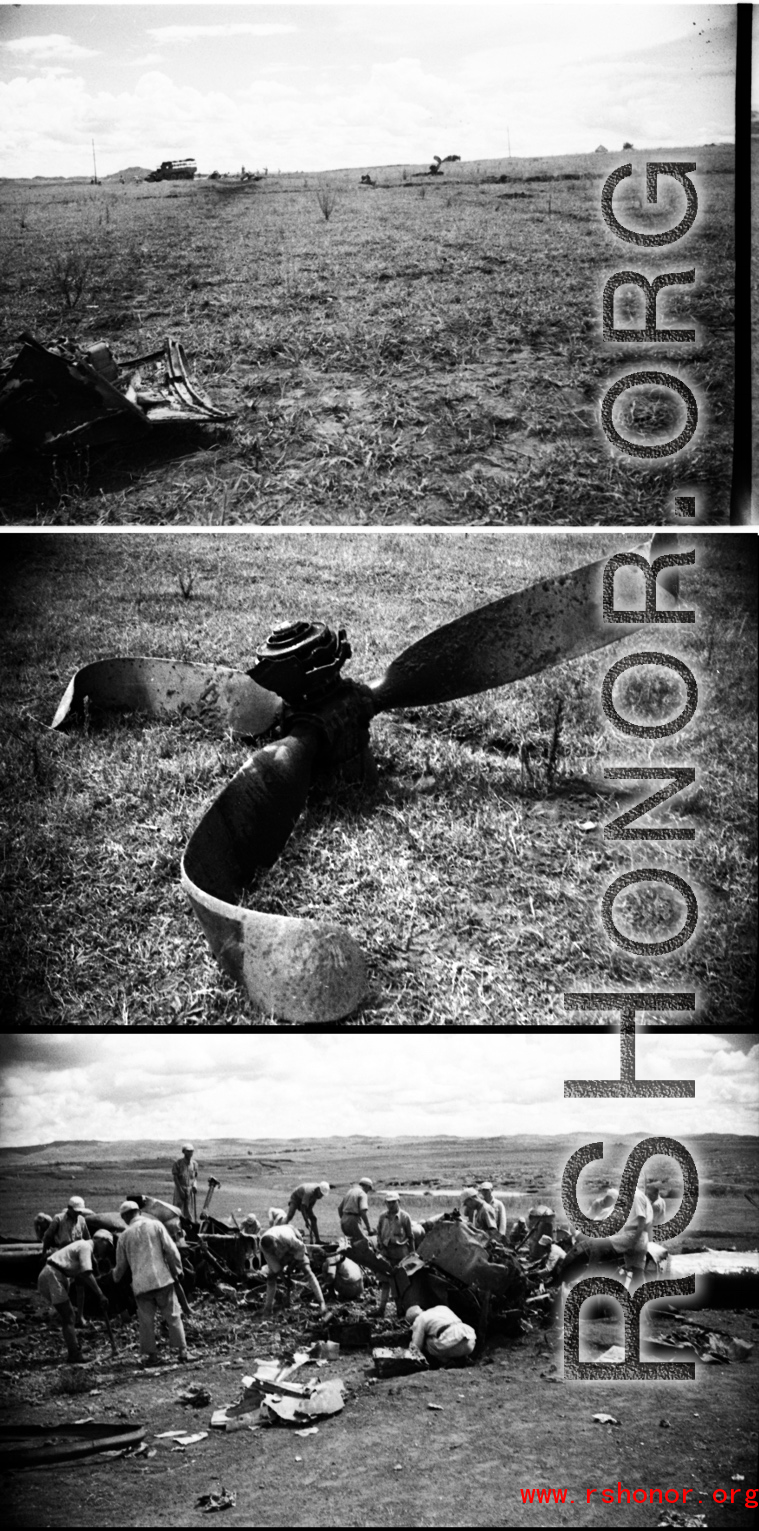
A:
x: 296, y: 969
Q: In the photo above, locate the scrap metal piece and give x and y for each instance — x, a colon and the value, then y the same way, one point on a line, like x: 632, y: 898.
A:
x: 170, y: 688
x: 33, y: 1445
x: 65, y: 395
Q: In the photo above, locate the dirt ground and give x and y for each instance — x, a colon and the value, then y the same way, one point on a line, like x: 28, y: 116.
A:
x: 389, y: 1459
x: 509, y: 1423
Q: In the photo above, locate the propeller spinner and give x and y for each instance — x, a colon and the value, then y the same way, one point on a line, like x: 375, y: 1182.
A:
x: 292, y: 968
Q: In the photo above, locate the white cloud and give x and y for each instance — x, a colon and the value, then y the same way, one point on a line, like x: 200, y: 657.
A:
x: 53, y: 46
x: 187, y: 33
x: 488, y: 1084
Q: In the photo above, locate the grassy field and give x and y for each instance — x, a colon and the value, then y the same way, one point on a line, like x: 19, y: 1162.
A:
x: 429, y: 354
x: 473, y: 882
x: 256, y: 1174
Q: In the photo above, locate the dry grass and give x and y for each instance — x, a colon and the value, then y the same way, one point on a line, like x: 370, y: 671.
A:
x: 472, y: 880
x: 430, y: 354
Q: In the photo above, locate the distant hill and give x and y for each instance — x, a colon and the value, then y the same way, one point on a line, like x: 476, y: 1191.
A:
x: 132, y: 173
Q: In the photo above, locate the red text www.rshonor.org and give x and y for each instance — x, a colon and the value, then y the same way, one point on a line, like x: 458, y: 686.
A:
x: 745, y: 1497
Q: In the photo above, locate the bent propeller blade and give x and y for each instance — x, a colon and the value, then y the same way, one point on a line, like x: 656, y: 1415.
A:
x: 556, y: 619
x: 170, y: 688
x: 295, y: 969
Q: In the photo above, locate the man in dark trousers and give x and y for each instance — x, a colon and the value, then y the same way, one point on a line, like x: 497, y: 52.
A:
x: 303, y: 1199
x: 72, y: 1262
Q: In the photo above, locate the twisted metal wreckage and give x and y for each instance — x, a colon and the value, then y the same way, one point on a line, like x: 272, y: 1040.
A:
x: 485, y: 1279
x: 64, y: 396
x: 296, y: 969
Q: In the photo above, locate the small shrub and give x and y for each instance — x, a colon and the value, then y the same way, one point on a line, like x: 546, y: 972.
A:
x: 69, y: 277
x: 326, y: 197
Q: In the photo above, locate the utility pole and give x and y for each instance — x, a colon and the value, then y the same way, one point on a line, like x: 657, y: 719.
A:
x: 94, y: 166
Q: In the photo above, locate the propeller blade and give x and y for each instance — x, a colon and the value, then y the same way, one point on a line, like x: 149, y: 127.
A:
x: 521, y: 634
x: 294, y: 969
x: 169, y: 688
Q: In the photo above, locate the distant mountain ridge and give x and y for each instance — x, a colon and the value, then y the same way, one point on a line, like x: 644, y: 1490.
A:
x: 215, y: 1149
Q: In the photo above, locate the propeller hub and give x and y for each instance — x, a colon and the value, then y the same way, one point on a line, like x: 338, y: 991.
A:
x: 301, y: 661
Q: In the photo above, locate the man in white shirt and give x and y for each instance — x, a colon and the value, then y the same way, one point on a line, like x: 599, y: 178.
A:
x: 72, y: 1262
x: 551, y: 1257
x: 440, y: 1334
x: 604, y: 1203
x: 477, y: 1212
x: 627, y: 1248
x: 303, y: 1199
x: 184, y: 1173
x: 395, y: 1240
x: 283, y: 1250
x: 486, y: 1192
x: 147, y: 1250
x: 353, y: 1211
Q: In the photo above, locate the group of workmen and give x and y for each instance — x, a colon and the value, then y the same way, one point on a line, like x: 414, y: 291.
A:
x: 147, y: 1252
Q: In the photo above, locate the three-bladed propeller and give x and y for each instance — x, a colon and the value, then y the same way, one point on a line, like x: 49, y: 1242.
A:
x: 296, y: 969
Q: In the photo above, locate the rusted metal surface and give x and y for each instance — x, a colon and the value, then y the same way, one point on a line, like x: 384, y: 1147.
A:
x: 549, y: 622
x: 65, y: 395
x: 168, y: 688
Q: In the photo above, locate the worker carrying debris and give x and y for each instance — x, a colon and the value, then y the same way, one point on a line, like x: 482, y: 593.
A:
x: 284, y: 1251
x: 72, y: 1262
x: 353, y: 1211
x: 395, y: 1240
x: 147, y: 1250
x: 303, y: 1199
x: 499, y: 1211
x: 184, y: 1173
x: 440, y: 1334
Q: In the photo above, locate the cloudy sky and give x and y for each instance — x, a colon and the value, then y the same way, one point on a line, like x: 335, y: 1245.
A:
x: 227, y: 1084
x: 314, y: 86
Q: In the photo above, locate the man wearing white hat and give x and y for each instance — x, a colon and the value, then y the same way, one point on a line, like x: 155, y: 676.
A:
x: 72, y: 1262
x: 486, y: 1192
x: 395, y: 1240
x: 551, y: 1257
x: 147, y: 1250
x: 440, y: 1334
x: 68, y: 1226
x: 184, y: 1172
x: 353, y: 1211
x: 303, y: 1199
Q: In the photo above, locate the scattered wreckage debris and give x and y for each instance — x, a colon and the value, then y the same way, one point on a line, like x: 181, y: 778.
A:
x: 36, y: 1445
x: 63, y: 396
x: 225, y: 1499
x: 710, y: 1345
x: 269, y: 1398
x: 398, y: 1361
